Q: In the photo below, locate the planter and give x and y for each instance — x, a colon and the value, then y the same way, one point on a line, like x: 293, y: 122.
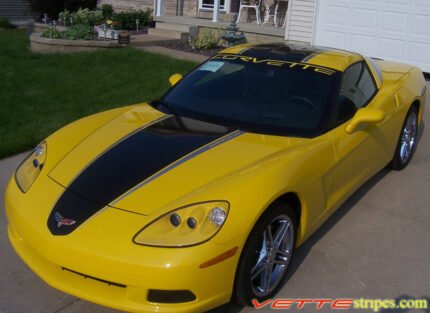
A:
x: 47, y: 45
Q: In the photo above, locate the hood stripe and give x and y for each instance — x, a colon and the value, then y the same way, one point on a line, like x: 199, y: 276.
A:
x: 132, y: 163
x: 181, y: 161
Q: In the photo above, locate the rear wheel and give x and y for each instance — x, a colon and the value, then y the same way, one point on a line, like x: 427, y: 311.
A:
x: 407, y: 141
x: 266, y: 256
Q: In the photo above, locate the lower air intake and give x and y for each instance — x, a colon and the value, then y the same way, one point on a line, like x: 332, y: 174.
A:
x: 170, y: 296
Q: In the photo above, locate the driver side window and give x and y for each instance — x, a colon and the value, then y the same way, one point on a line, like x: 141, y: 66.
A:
x: 357, y: 89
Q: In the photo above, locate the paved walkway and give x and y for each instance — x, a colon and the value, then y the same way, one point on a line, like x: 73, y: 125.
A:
x: 177, y: 54
x: 375, y: 246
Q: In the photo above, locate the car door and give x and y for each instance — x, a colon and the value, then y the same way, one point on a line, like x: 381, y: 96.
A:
x: 361, y: 154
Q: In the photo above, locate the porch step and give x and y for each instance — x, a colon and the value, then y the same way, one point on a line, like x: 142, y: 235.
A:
x: 173, y: 34
x: 138, y: 41
x: 173, y: 26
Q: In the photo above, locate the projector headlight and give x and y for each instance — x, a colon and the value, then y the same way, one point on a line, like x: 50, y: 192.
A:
x: 186, y: 226
x: 31, y: 167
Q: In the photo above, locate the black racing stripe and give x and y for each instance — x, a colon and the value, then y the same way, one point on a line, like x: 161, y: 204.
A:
x: 128, y: 163
x: 284, y: 52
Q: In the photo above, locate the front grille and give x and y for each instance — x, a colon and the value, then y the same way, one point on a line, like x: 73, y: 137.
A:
x: 170, y: 296
x: 110, y: 283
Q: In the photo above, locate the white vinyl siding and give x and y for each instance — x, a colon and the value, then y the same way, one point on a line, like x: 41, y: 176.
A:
x: 300, y: 20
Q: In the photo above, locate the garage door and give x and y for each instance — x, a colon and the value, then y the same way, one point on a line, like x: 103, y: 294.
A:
x: 389, y: 29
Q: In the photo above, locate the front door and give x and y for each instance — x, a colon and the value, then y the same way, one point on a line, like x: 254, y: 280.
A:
x: 364, y: 152
x: 209, y: 5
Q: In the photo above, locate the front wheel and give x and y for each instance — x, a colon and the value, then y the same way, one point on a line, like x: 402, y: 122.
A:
x: 266, y: 256
x: 407, y: 141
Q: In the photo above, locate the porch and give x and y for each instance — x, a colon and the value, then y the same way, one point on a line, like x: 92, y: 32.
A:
x: 251, y: 29
x: 218, y: 14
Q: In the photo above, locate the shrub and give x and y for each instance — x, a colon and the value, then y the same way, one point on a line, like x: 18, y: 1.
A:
x: 75, y: 32
x: 4, y: 23
x: 107, y: 11
x: 52, y: 33
x: 64, y: 17
x: 87, y: 17
x: 79, y: 32
x: 127, y: 19
x: 209, y: 39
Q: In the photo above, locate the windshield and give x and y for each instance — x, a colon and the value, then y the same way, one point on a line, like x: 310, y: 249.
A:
x: 262, y: 96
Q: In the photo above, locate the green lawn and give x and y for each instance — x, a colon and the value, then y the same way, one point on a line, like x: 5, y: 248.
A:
x: 41, y: 93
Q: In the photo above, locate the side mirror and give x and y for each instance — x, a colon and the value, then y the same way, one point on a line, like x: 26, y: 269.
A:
x: 173, y: 80
x: 365, y: 115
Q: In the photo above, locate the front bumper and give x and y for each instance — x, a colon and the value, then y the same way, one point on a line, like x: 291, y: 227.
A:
x: 98, y: 261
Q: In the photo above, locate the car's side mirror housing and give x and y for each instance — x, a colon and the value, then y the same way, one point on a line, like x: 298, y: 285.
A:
x: 173, y: 80
x: 365, y: 115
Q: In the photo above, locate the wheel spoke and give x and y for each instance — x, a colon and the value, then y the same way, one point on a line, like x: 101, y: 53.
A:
x: 269, y: 237
x: 282, y: 253
x: 280, y: 234
x: 266, y: 277
x: 281, y: 262
x: 257, y: 270
x: 404, y: 151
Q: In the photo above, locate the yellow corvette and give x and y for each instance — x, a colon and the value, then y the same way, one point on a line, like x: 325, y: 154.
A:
x: 185, y: 203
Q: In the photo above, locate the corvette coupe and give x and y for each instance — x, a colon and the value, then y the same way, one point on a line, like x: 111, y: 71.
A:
x: 202, y: 196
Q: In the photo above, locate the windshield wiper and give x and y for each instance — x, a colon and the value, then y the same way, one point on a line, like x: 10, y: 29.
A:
x: 163, y: 107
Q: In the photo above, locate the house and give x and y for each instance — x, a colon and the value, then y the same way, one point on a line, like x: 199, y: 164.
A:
x: 387, y: 29
x: 17, y: 11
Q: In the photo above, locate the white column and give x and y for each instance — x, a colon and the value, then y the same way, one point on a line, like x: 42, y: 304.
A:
x: 159, y: 6
x: 215, y: 17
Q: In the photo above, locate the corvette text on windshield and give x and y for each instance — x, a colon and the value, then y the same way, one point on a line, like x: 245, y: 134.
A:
x: 279, y: 63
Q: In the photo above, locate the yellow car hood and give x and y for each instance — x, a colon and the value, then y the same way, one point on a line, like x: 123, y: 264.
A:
x: 144, y: 160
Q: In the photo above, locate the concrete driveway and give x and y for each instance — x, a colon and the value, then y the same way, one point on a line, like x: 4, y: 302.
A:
x: 375, y: 246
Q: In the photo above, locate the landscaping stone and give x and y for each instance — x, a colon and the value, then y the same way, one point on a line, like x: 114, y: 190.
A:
x: 47, y: 45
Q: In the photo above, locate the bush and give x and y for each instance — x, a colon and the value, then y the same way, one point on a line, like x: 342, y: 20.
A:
x: 64, y: 17
x: 54, y: 7
x: 4, y: 23
x: 75, y: 32
x: 87, y: 17
x: 52, y: 33
x: 79, y: 32
x: 208, y: 40
x: 107, y: 11
x: 127, y: 19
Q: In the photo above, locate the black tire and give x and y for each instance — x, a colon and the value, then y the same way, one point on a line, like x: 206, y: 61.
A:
x: 244, y: 288
x: 400, y: 160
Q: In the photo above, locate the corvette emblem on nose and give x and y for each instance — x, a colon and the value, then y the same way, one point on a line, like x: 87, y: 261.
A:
x: 63, y: 221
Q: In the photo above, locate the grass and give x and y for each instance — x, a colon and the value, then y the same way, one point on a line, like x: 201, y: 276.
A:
x: 41, y: 93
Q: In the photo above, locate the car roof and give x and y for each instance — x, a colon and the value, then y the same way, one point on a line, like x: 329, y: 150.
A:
x: 300, y: 53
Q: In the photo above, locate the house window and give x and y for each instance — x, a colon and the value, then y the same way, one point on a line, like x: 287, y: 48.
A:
x: 209, y: 4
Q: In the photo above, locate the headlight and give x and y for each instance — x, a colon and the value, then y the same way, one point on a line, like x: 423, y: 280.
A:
x: 186, y: 226
x: 31, y: 167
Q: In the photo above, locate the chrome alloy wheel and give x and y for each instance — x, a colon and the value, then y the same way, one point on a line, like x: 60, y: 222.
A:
x: 273, y: 258
x: 409, y: 137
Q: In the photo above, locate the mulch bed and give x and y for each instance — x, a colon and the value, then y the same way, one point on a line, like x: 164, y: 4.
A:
x: 183, y: 46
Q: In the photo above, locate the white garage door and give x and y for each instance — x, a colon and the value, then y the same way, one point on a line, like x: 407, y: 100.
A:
x: 389, y: 29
